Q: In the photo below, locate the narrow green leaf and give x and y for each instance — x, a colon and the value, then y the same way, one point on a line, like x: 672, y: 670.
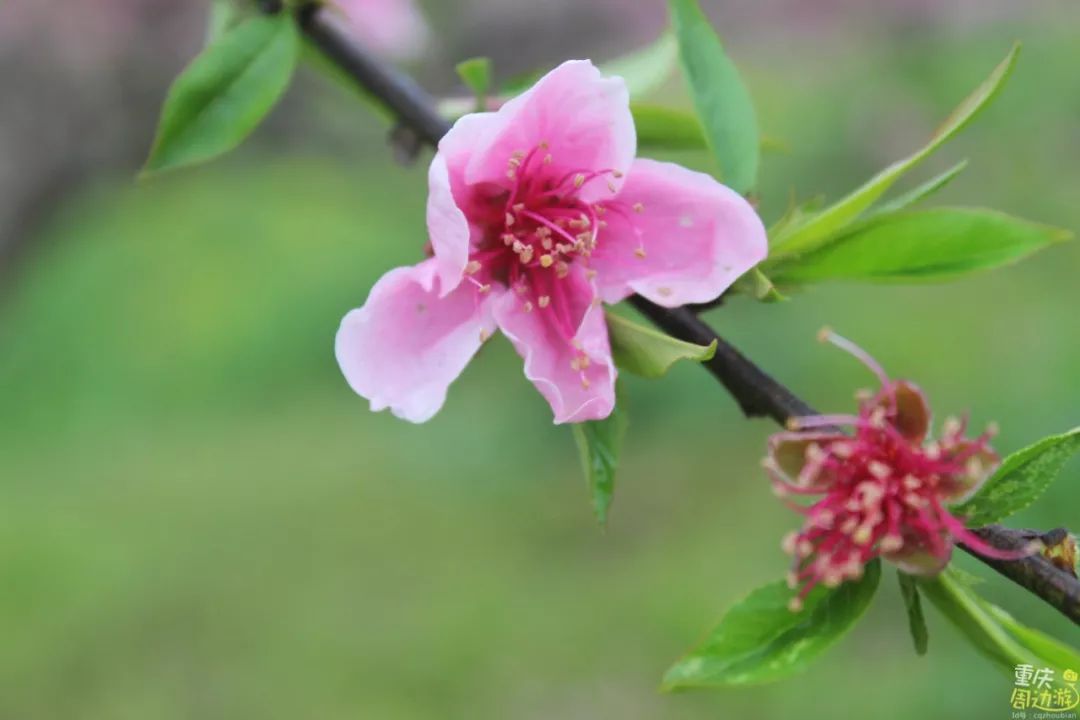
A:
x: 818, y: 228
x: 796, y: 214
x: 760, y: 640
x: 599, y: 443
x: 1046, y: 648
x: 720, y: 97
x: 919, y: 193
x: 992, y: 631
x: 1021, y: 479
x: 476, y: 74
x: 909, y: 590
x: 226, y: 92
x: 647, y: 68
x: 919, y: 245
x: 649, y: 353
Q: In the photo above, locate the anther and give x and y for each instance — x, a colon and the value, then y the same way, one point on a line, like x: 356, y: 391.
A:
x: 891, y: 543
x: 639, y: 207
x: 543, y: 301
x: 547, y: 260
x: 879, y: 469
x: 579, y: 180
x: 788, y: 543
x: 640, y: 252
x: 473, y: 267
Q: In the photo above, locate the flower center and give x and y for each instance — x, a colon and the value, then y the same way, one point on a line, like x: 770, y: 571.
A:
x: 538, y: 226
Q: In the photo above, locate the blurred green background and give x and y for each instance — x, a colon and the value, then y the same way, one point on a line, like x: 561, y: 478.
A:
x: 199, y: 520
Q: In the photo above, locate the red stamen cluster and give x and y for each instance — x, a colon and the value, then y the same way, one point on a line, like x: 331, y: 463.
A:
x: 885, y: 486
x: 538, y: 227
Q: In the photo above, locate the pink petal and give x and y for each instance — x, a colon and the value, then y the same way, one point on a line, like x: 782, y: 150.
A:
x: 583, y: 117
x: 392, y: 27
x: 405, y: 346
x: 549, y: 355
x: 675, y: 236
x: 448, y: 229
x: 448, y: 196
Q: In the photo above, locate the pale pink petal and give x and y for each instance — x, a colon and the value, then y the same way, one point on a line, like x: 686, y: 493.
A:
x: 405, y: 346
x: 675, y: 236
x: 583, y: 118
x: 450, y: 201
x: 447, y: 226
x: 394, y: 28
x: 552, y: 361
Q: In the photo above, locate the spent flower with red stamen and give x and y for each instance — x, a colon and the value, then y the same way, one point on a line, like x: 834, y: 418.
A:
x: 885, y: 485
x: 537, y: 213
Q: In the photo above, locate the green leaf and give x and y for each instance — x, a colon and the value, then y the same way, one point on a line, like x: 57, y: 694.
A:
x: 664, y: 128
x: 476, y: 74
x: 919, y: 193
x: 757, y: 285
x: 599, y: 443
x: 909, y: 590
x: 223, y: 15
x: 649, y: 353
x: 993, y: 632
x: 646, y: 69
x: 226, y: 92
x: 1021, y: 479
x: 760, y: 640
x: 919, y: 245
x: 720, y: 97
x: 817, y: 229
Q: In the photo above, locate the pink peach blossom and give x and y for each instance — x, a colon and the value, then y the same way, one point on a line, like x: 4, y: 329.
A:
x: 885, y: 486
x: 394, y: 28
x: 538, y: 212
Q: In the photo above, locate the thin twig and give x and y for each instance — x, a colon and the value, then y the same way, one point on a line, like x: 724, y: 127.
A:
x: 757, y: 393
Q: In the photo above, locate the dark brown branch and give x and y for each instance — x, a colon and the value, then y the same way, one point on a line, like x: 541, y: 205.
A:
x: 756, y: 392
x: 1036, y: 573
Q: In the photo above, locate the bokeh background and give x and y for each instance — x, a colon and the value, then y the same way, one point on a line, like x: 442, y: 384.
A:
x: 199, y: 520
